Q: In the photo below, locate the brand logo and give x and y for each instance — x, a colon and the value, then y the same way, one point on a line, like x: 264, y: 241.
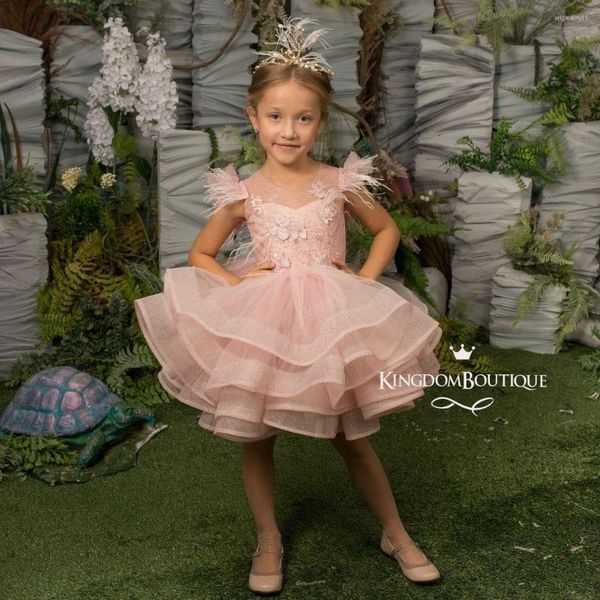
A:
x: 465, y: 380
x: 462, y: 354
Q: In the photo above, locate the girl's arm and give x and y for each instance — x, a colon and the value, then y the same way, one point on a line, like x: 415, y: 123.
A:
x: 212, y: 236
x: 385, y: 231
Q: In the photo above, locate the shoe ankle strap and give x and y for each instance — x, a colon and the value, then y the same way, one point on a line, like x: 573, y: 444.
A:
x: 268, y: 538
x: 259, y: 552
x: 402, y: 545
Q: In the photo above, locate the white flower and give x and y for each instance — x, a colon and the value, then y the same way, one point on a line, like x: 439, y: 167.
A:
x: 281, y: 232
x: 319, y: 256
x: 99, y: 134
x: 317, y: 190
x: 256, y: 203
x: 124, y: 87
x: 300, y: 233
x: 107, y: 180
x: 279, y: 227
x: 281, y: 259
x: 70, y: 177
x: 117, y: 85
x: 327, y: 211
x: 157, y: 93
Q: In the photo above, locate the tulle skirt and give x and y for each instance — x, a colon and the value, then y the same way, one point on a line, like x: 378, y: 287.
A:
x: 300, y: 350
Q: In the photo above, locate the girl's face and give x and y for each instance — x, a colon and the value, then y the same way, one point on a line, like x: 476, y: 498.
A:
x: 288, y: 121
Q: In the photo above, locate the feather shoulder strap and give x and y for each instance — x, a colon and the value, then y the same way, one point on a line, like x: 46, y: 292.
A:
x: 223, y: 186
x: 354, y: 176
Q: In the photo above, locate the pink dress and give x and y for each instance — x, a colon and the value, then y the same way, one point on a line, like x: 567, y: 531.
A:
x: 303, y: 347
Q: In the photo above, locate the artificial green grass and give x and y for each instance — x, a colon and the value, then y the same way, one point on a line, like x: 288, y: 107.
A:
x: 469, y: 489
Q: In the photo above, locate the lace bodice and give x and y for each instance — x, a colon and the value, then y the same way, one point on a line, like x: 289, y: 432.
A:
x: 294, y: 224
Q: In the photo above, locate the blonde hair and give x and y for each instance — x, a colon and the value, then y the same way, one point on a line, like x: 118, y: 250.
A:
x: 273, y: 74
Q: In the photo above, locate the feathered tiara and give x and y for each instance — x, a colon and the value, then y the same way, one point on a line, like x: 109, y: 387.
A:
x: 292, y: 48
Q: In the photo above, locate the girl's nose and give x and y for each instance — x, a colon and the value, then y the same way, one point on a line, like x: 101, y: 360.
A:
x: 289, y: 131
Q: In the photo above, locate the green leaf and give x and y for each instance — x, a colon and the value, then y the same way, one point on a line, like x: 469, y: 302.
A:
x: 93, y: 170
x: 124, y: 144
x: 143, y: 167
x: 5, y: 142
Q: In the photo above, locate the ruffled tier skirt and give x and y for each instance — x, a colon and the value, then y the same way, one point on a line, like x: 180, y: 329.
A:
x: 304, y: 350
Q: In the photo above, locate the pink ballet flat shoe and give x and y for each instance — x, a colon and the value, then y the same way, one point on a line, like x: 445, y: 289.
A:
x: 424, y: 572
x: 266, y: 582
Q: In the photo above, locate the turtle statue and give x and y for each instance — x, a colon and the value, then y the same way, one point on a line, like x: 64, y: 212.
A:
x: 68, y: 403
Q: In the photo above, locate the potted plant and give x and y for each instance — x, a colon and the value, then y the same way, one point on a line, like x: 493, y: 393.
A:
x: 538, y: 301
x: 521, y: 34
x: 529, y: 44
x: 494, y: 187
x: 572, y: 90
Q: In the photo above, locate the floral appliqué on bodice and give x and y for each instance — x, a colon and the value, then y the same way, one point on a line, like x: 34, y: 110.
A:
x: 298, y: 224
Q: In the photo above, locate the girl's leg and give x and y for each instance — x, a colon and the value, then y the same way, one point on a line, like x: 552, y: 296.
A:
x: 370, y: 479
x: 259, y: 482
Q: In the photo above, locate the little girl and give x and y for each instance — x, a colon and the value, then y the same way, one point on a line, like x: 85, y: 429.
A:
x: 290, y: 337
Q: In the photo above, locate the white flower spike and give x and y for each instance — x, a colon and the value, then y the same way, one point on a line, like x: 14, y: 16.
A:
x: 157, y: 92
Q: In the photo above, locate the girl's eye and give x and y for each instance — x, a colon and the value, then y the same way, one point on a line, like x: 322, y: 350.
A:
x: 306, y: 117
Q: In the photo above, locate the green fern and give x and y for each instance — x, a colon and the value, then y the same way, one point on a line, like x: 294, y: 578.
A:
x: 531, y: 249
x: 494, y: 24
x: 58, y: 299
x: 516, y: 21
x: 571, y: 87
x: 143, y: 391
x: 360, y: 240
x: 527, y: 28
x: 456, y: 331
x: 557, y: 115
x: 335, y: 4
x: 131, y: 241
x: 529, y: 298
x: 149, y: 281
x: 411, y: 226
x: 134, y: 357
x: 533, y: 95
x: 515, y: 154
x: 130, y: 171
x: 97, y: 13
x: 24, y: 454
x: 414, y: 276
x: 578, y: 305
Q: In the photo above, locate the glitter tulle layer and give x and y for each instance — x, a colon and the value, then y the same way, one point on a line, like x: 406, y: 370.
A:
x: 299, y: 350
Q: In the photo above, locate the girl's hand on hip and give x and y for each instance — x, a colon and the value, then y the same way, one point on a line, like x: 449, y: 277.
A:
x: 342, y: 266
x: 260, y: 269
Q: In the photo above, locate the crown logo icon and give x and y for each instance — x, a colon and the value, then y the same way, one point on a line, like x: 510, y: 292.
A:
x: 462, y: 354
